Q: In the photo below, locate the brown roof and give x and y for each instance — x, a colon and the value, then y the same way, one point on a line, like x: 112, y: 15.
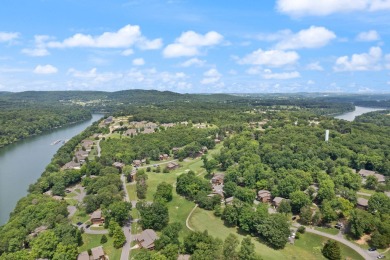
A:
x: 118, y: 164
x: 366, y: 173
x: 362, y: 202
x: 83, y: 256
x: 97, y: 252
x: 147, y: 238
x: 183, y: 257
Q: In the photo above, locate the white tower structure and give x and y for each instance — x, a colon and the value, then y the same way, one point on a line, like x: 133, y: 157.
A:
x: 326, y: 135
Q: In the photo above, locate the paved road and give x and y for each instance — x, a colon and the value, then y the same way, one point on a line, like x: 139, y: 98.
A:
x: 127, y: 228
x: 98, y: 148
x: 364, y: 253
x: 72, y: 210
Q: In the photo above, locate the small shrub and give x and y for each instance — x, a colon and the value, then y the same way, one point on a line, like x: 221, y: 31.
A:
x: 301, y: 229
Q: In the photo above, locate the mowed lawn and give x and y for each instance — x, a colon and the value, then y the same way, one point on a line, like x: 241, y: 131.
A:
x: 307, y: 247
x: 91, y: 241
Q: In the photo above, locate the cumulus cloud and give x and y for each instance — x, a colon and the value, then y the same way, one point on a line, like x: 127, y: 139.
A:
x: 138, y: 62
x: 273, y: 58
x: 127, y: 52
x: 39, y: 49
x: 8, y: 36
x: 268, y: 74
x: 193, y: 62
x: 360, y: 62
x: 45, y: 69
x: 211, y: 76
x: 368, y: 36
x: 327, y: 7
x: 314, y: 66
x: 35, y: 52
x: 125, y: 37
x: 313, y: 37
x: 190, y: 44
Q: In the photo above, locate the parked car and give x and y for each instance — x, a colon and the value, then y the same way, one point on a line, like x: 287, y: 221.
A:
x: 87, y: 226
x: 381, y: 256
x: 339, y: 225
x: 372, y: 249
x: 79, y: 223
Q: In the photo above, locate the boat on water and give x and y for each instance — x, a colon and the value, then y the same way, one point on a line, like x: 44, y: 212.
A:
x: 56, y: 142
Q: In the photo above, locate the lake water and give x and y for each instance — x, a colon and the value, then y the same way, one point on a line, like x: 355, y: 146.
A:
x: 350, y: 116
x: 23, y: 162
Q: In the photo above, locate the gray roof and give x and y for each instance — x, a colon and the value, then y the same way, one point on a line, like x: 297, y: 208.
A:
x: 147, y: 238
x: 183, y: 257
x: 278, y: 199
x: 365, y: 173
x: 263, y: 193
x: 229, y: 199
x: 96, y: 214
x: 83, y: 256
x: 362, y: 202
x: 97, y: 252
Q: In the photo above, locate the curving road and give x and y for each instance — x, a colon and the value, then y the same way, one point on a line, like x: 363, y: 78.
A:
x: 127, y: 227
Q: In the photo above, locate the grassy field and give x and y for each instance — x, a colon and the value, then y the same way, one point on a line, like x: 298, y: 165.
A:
x: 307, y: 247
x: 366, y: 191
x: 331, y: 231
x: 91, y: 241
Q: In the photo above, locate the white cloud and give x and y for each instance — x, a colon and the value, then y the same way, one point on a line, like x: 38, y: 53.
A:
x: 327, y: 7
x: 360, y: 62
x: 45, y: 69
x: 93, y: 77
x: 40, y: 49
x: 254, y: 70
x: 193, y: 62
x: 268, y: 74
x: 313, y: 37
x: 273, y: 58
x: 127, y: 52
x: 211, y: 76
x: 125, y: 37
x: 8, y: 36
x: 314, y: 66
x: 35, y: 52
x: 190, y: 43
x: 138, y: 62
x: 368, y: 36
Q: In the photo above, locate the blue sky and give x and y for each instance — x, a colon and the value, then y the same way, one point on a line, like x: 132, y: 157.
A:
x: 196, y: 46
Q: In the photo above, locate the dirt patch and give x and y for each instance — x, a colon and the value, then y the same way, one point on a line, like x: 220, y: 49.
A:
x: 363, y: 240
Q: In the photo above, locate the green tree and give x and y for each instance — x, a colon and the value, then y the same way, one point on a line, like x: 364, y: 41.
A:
x: 103, y: 240
x: 371, y: 182
x: 163, y: 193
x: 170, y: 252
x: 44, y: 246
x: 64, y: 252
x: 230, y: 216
x: 284, y: 207
x: 247, y: 250
x: 119, y: 238
x: 154, y: 216
x: 331, y: 250
x: 327, y: 211
x: 119, y: 212
x: 229, y: 247
x: 380, y: 203
x: 299, y: 199
x: 274, y: 230
x: 305, y: 217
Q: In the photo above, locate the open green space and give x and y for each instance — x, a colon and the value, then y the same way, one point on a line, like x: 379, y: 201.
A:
x: 307, y: 247
x: 91, y: 241
x: 331, y: 231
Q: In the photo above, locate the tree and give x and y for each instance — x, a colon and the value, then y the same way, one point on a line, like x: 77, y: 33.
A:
x: 230, y: 216
x: 229, y: 247
x: 163, y: 193
x: 371, y: 182
x: 154, y: 216
x: 119, y: 238
x: 305, y: 217
x: 103, y: 240
x: 326, y: 190
x: 65, y: 252
x: 170, y: 252
x: 331, y: 250
x: 44, y: 246
x: 274, y: 230
x: 229, y: 188
x: 247, y: 250
x: 284, y: 207
x: 380, y: 203
x: 328, y: 213
x: 119, y: 212
x: 299, y: 199
x: 245, y: 195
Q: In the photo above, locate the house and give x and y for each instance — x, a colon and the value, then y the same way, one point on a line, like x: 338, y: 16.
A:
x: 264, y: 196
x: 119, y: 166
x: 83, y: 256
x: 218, y: 189
x: 146, y: 239
x: 137, y: 163
x: 98, y: 253
x: 172, y: 166
x: 277, y: 200
x: 148, y: 131
x: 183, y: 257
x: 108, y: 120
x: 80, y: 156
x: 132, y: 175
x: 96, y: 217
x: 217, y: 141
x: 365, y: 173
x: 131, y: 132
x: 163, y: 157
x: 168, y: 125
x: 71, y: 165
x: 204, y: 149
x: 87, y: 144
x: 218, y: 178
x: 175, y: 149
x: 229, y: 201
x: 362, y: 203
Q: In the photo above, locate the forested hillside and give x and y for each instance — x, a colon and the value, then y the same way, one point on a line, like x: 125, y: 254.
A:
x: 380, y: 118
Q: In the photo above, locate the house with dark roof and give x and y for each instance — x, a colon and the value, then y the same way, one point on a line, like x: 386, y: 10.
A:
x: 146, y: 239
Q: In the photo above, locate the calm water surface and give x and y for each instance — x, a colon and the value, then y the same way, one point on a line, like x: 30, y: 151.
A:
x: 350, y: 116
x: 22, y: 163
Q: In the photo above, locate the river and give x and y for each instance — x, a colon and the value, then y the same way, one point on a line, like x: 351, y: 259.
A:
x: 350, y: 116
x: 23, y: 162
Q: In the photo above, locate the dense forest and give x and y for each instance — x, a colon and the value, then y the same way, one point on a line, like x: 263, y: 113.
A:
x: 380, y: 118
x: 20, y: 122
